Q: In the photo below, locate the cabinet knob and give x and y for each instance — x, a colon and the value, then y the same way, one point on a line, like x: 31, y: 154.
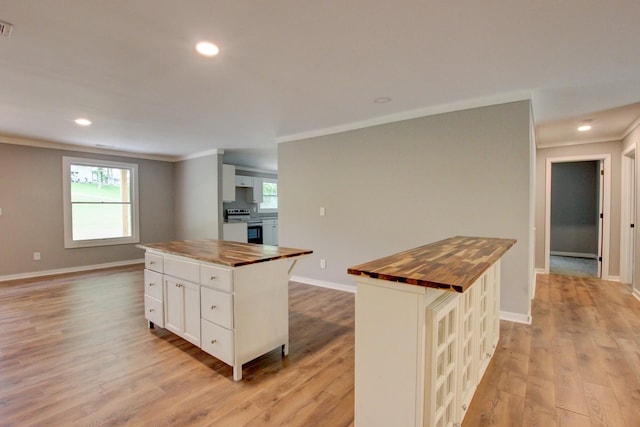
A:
x: 213, y: 277
x: 488, y: 355
x: 214, y: 341
x: 213, y: 307
x: 464, y: 406
x: 151, y: 262
x: 151, y: 310
x: 179, y: 285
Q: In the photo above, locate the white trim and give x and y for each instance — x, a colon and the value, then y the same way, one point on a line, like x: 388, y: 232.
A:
x: 412, y: 114
x: 613, y: 278
x: 70, y: 270
x: 636, y: 293
x: 249, y: 169
x: 606, y: 203
x: 69, y: 242
x: 323, y: 284
x: 28, y: 142
x: 515, y: 317
x: 206, y: 153
x: 627, y: 234
x: 574, y: 254
x: 631, y: 128
x: 578, y: 142
x: 541, y: 271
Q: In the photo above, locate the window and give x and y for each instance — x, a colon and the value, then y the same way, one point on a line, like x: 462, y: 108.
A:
x: 100, y: 202
x: 269, y: 195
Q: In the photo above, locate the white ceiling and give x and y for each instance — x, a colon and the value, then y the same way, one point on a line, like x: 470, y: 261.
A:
x: 295, y: 68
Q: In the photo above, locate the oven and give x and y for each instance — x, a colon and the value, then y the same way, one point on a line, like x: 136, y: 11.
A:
x: 254, y: 233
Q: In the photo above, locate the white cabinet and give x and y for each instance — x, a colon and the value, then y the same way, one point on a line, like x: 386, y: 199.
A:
x: 404, y: 332
x: 228, y: 183
x: 254, y: 193
x: 442, y: 366
x: 233, y: 313
x: 153, y: 290
x: 270, y: 232
x: 234, y: 231
x: 244, y: 181
x: 183, y: 309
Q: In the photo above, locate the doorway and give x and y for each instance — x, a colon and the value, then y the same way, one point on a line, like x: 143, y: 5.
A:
x: 577, y: 215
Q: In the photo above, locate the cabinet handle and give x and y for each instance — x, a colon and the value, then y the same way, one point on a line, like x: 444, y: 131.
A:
x: 488, y: 355
x: 214, y: 341
x: 179, y: 285
x: 152, y: 284
x: 151, y: 310
x: 213, y: 277
x: 151, y: 262
x: 213, y: 307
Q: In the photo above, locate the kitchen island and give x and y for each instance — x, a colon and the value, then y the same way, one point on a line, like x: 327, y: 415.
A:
x: 427, y: 325
x: 228, y: 298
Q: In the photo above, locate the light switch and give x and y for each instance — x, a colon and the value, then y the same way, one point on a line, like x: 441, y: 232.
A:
x: 322, y: 211
x: 0, y: 211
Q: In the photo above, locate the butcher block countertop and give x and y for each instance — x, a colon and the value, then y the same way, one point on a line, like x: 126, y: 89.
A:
x: 452, y: 264
x: 232, y: 254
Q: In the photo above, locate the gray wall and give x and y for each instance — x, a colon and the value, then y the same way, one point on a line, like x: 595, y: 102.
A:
x: 574, y: 207
x: 614, y: 148
x: 197, y: 193
x: 32, y: 218
x: 392, y: 187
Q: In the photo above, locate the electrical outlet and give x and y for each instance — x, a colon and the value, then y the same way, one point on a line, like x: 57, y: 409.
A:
x: 36, y: 256
x: 323, y: 263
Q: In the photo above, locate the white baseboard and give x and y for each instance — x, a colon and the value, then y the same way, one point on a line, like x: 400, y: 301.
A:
x: 540, y: 271
x: 70, y: 270
x: 613, y: 278
x: 515, y: 317
x: 323, y: 284
x: 574, y: 254
x: 636, y: 293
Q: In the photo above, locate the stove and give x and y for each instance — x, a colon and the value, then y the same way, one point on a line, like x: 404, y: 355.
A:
x: 238, y: 215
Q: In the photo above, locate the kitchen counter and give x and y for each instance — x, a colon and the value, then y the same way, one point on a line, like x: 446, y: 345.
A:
x: 232, y: 254
x: 228, y: 298
x: 451, y: 264
x: 427, y: 325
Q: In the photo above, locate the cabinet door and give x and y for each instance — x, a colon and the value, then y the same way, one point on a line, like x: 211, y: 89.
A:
x: 441, y: 386
x: 228, y: 183
x: 483, y: 333
x: 468, y: 372
x: 270, y: 232
x: 191, y: 297
x: 254, y: 195
x: 174, y: 306
x: 495, y: 292
x: 244, y: 181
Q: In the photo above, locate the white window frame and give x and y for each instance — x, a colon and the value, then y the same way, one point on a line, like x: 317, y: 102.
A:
x: 66, y: 196
x: 267, y: 210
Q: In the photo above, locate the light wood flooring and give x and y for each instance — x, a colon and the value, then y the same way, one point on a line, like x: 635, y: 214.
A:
x: 76, y: 350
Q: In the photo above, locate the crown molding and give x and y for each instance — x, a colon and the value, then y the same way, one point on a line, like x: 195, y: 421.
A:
x: 30, y: 142
x: 207, y: 153
x: 631, y: 128
x: 412, y: 114
x: 579, y: 142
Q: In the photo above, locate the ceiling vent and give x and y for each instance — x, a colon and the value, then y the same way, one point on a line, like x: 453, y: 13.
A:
x: 5, y: 29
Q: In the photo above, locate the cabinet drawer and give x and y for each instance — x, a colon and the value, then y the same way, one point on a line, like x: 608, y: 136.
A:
x: 216, y: 277
x: 217, y: 307
x: 153, y: 310
x: 153, y: 262
x: 153, y: 284
x: 182, y: 269
x: 217, y: 341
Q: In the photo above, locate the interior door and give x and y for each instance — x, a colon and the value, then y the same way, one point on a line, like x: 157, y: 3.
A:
x: 600, y: 217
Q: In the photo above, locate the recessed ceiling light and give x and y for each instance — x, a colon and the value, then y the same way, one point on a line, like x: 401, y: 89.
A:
x: 82, y: 121
x: 585, y: 126
x: 382, y: 100
x: 207, y: 49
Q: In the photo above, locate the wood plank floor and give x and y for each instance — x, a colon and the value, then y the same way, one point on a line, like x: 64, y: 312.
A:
x: 577, y: 364
x: 76, y: 350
